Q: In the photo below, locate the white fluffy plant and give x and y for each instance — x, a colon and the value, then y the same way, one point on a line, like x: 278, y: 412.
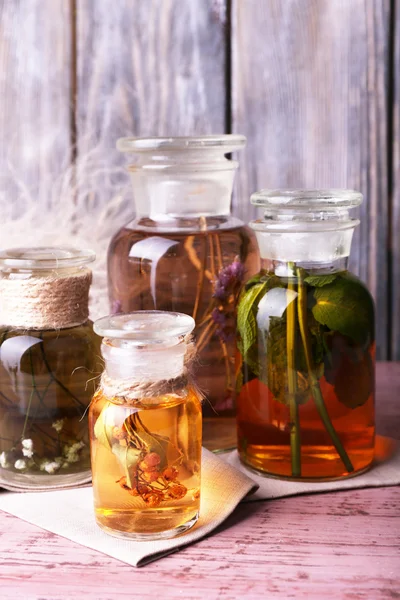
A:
x: 81, y: 205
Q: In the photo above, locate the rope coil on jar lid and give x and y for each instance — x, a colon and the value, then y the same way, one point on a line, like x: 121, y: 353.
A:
x: 54, y: 302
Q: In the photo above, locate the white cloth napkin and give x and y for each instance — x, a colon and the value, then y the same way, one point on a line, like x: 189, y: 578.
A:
x: 385, y: 472
x: 225, y: 483
x: 69, y: 513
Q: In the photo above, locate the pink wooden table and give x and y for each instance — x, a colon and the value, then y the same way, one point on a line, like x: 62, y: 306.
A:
x: 344, y: 545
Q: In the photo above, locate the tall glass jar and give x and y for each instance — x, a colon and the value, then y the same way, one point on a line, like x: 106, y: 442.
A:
x: 145, y: 426
x: 48, y: 352
x: 185, y: 252
x: 306, y: 344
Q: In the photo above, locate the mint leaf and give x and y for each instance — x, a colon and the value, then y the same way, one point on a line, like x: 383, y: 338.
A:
x: 354, y: 381
x: 317, y: 342
x: 256, y: 279
x: 246, y: 316
x: 350, y: 370
x: 252, y: 344
x: 319, y: 280
x: 276, y: 377
x: 345, y: 306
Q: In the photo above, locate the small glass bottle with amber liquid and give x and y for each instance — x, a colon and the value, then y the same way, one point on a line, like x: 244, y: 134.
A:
x: 145, y: 427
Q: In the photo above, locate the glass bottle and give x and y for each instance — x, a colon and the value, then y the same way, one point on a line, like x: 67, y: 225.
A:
x: 145, y: 427
x: 185, y: 252
x: 48, y: 352
x: 306, y: 357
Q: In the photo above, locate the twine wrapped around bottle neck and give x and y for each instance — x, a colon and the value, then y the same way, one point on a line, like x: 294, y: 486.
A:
x: 52, y: 302
x: 130, y: 391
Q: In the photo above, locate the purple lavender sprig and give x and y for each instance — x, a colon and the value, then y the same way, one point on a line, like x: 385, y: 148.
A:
x: 116, y: 307
x: 228, y: 280
x: 227, y: 285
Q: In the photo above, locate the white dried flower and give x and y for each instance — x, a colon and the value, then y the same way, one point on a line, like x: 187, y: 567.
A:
x: 28, y: 444
x: 72, y: 458
x: 58, y: 425
x: 72, y: 452
x: 27, y: 452
x: 20, y: 464
x: 51, y: 467
x: 76, y: 447
x: 3, y: 461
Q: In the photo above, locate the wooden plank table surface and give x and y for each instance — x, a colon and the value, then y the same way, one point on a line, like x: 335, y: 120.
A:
x: 336, y: 545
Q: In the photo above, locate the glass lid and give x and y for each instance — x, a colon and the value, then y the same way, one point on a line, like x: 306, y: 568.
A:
x: 306, y: 200
x: 146, y: 327
x: 227, y: 143
x: 45, y: 257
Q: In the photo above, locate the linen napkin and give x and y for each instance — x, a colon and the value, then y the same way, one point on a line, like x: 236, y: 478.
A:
x: 69, y: 513
x: 225, y: 483
x: 384, y: 472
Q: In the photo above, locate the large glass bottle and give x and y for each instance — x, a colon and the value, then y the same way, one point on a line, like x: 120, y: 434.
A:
x: 306, y: 342
x: 185, y: 252
x: 145, y: 427
x: 48, y: 361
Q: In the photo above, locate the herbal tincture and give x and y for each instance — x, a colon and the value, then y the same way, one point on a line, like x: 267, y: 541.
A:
x: 145, y: 427
x: 306, y: 346
x: 48, y: 352
x: 185, y: 252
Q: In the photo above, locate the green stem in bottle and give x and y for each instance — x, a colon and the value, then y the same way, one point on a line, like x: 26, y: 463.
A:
x: 313, y: 380
x: 295, y: 443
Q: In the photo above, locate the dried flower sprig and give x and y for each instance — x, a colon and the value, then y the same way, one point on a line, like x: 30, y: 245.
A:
x: 23, y: 457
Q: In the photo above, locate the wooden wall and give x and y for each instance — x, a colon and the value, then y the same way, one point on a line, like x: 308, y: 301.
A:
x: 313, y: 84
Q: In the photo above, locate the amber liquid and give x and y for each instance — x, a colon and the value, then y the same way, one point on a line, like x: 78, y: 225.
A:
x: 264, y: 431
x: 146, y: 465
x: 264, y: 418
x: 44, y: 394
x: 153, y: 268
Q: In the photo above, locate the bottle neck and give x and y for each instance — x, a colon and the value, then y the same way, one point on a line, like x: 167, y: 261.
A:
x: 319, y: 245
x: 125, y: 360
x: 167, y: 194
x: 288, y: 268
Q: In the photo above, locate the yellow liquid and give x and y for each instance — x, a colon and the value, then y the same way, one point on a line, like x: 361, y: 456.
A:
x: 146, y: 465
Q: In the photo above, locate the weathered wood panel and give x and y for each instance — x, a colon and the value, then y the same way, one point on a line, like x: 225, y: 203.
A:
x: 35, y: 80
x: 310, y: 92
x: 332, y: 546
x: 148, y: 68
x: 394, y: 241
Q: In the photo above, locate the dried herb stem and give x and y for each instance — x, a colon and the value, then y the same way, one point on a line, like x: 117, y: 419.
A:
x: 227, y: 365
x: 194, y: 259
x: 313, y: 380
x: 212, y: 256
x: 295, y: 442
x: 219, y: 252
x: 200, y: 281
x: 205, y: 335
x: 57, y: 381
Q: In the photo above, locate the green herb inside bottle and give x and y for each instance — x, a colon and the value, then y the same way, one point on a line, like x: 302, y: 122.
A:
x: 306, y: 374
